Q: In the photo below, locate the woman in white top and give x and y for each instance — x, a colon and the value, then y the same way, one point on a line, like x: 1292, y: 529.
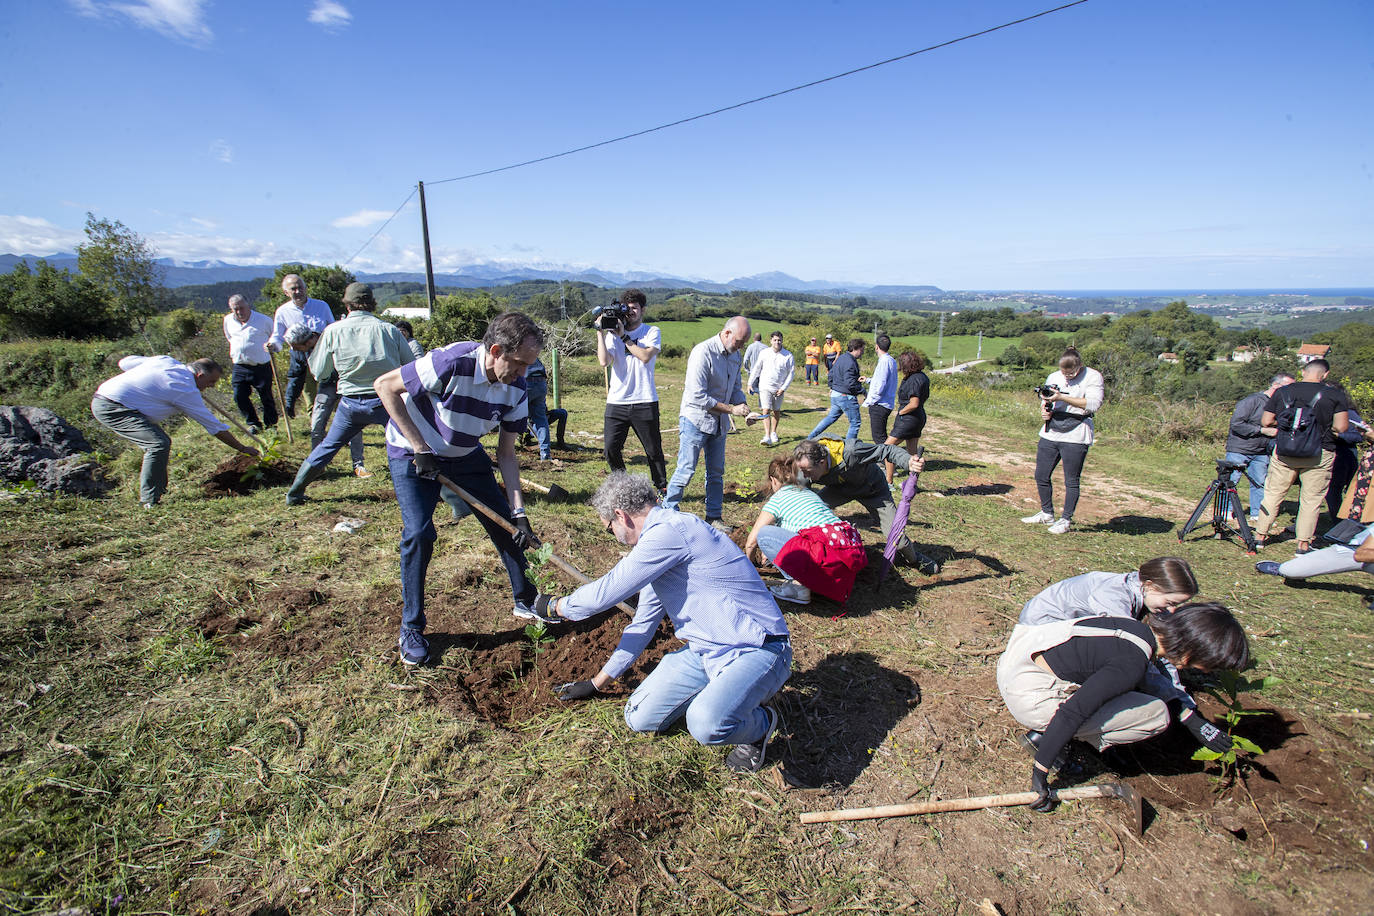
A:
x: 1068, y: 401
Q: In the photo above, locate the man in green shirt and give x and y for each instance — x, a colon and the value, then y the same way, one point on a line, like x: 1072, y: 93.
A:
x: 360, y: 348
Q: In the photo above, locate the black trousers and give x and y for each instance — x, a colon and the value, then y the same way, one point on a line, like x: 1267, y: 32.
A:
x: 1048, y: 454
x: 643, y: 418
x: 877, y: 422
x: 245, y: 380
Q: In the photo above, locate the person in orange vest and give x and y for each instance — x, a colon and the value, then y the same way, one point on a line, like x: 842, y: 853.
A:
x: 832, y: 351
x: 813, y: 363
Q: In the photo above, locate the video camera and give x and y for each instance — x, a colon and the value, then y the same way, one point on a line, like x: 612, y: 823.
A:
x: 607, y: 316
x: 1046, y: 391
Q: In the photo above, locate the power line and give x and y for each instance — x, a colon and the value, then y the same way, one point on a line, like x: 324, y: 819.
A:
x: 382, y: 226
x: 762, y: 98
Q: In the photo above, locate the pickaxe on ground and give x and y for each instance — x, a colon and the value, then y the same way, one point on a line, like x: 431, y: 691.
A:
x: 1134, y: 805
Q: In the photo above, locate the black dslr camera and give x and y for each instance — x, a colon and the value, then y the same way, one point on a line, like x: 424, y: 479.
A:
x: 608, y: 315
x: 1046, y: 391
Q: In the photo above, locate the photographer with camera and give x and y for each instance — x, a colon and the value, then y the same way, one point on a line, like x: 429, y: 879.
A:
x: 629, y: 348
x: 1068, y: 400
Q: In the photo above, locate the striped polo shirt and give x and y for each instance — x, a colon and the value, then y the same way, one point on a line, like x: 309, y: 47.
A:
x: 449, y: 397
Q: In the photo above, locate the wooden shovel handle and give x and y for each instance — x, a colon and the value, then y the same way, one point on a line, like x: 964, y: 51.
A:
x: 952, y: 804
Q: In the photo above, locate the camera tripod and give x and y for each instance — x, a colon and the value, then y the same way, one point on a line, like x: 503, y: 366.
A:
x: 1225, y: 501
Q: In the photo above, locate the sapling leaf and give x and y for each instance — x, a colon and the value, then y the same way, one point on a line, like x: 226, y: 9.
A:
x: 1246, y: 745
x: 1203, y: 753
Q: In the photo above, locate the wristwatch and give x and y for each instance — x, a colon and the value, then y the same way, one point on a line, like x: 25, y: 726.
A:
x: 625, y: 339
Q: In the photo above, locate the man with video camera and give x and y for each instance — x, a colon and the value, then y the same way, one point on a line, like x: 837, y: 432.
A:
x: 629, y: 348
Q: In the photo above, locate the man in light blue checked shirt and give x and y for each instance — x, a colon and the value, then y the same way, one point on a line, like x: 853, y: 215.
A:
x: 738, y: 651
x: 882, y: 390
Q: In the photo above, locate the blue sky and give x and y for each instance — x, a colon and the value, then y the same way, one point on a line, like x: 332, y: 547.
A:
x: 1114, y: 145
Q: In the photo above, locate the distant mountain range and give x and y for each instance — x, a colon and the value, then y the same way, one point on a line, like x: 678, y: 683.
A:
x: 194, y: 273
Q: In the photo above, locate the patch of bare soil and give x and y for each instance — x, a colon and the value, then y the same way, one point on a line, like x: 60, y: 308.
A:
x: 243, y: 474
x: 512, y: 676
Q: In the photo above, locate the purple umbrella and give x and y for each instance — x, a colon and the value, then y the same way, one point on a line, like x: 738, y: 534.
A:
x: 894, y: 534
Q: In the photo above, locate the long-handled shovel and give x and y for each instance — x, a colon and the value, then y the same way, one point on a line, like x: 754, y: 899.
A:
x: 272, y: 361
x: 490, y: 513
x: 552, y: 491
x: 219, y: 409
x: 1134, y: 804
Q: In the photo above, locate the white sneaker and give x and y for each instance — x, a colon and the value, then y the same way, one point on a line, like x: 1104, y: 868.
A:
x: 791, y: 591
x: 1039, y: 518
x: 766, y: 440
x: 773, y: 439
x: 1060, y: 526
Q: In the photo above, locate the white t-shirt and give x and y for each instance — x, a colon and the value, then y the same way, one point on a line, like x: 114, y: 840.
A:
x: 1087, y: 384
x: 632, y: 379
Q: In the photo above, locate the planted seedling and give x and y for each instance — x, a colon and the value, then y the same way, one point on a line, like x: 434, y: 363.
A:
x: 1227, y: 689
x: 538, y: 571
x: 268, y: 455
x: 538, y: 635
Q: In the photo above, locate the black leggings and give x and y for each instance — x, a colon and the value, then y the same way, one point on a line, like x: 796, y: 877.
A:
x: 1048, y: 454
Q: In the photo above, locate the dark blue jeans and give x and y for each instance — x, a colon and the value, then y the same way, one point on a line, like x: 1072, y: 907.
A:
x: 417, y: 498
x: 296, y: 373
x: 246, y: 379
x: 353, y: 416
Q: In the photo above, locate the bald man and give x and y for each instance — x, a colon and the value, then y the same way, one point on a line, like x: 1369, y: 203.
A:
x: 250, y: 349
x: 711, y: 393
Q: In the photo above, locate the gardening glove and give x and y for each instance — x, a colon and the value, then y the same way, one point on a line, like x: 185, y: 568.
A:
x: 426, y: 465
x: 1207, y: 734
x: 524, y: 534
x: 1040, y: 784
x: 575, y: 690
x: 543, y: 609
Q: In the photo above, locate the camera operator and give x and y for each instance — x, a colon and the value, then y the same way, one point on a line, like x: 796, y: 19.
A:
x: 630, y: 349
x: 1249, y: 443
x: 1068, y: 400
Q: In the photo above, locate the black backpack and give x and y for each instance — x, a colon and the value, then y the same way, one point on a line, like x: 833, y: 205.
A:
x: 1299, y: 436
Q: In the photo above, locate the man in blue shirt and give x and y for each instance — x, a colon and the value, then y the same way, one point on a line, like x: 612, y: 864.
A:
x: 882, y: 390
x: 710, y: 393
x: 738, y: 651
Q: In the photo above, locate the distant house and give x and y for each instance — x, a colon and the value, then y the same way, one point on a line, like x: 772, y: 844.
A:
x: 421, y: 314
x: 1309, y: 352
x: 1242, y: 354
x: 1168, y: 357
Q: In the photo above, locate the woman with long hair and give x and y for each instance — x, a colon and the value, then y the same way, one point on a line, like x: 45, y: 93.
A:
x: 1068, y: 400
x: 911, y: 404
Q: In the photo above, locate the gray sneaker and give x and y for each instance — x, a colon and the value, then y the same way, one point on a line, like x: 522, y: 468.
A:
x: 719, y: 525
x: 414, y: 647
x: 749, y: 758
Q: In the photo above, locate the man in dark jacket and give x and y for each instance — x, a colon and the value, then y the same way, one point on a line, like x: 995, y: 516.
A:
x: 852, y: 471
x: 845, y: 388
x: 1249, y: 443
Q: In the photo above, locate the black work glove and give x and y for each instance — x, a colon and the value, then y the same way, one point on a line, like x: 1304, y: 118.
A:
x: 1040, y: 784
x: 1207, y: 734
x: 426, y: 465
x: 524, y: 534
x: 542, y: 607
x: 575, y: 690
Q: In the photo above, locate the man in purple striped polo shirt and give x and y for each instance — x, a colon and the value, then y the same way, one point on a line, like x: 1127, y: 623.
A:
x: 441, y: 405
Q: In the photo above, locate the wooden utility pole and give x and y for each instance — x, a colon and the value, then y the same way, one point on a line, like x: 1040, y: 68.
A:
x: 429, y: 261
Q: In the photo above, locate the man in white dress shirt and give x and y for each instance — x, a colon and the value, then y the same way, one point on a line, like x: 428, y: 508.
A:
x: 249, y: 334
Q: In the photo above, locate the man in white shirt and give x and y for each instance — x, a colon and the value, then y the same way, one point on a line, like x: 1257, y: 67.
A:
x: 149, y: 390
x: 317, y: 315
x: 249, y: 334
x: 630, y: 351
x: 773, y: 371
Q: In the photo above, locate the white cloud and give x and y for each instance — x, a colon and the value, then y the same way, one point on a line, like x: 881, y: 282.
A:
x: 360, y: 219
x: 205, y: 223
x: 183, y: 20
x: 222, y: 151
x: 34, y: 235
x: 330, y: 14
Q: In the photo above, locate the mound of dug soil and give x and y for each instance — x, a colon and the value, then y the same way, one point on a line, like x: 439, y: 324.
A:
x: 511, y: 678
x: 233, y: 477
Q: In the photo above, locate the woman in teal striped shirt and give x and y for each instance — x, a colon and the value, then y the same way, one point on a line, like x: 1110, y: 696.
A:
x: 810, y: 545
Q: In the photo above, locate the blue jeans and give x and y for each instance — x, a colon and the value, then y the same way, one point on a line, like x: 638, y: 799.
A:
x: 353, y: 416
x: 296, y: 372
x: 691, y: 443
x: 1256, y: 467
x: 770, y: 539
x: 846, y: 404
x: 326, y: 397
x: 417, y: 497
x: 540, y: 416
x: 720, y: 710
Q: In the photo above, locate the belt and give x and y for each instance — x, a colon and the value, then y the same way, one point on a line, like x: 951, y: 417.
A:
x: 360, y: 397
x: 776, y: 637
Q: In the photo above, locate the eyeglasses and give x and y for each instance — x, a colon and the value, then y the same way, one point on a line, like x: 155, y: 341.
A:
x: 608, y: 526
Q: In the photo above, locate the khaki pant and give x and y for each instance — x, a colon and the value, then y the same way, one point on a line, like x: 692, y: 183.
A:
x: 1313, y: 476
x: 1033, y: 695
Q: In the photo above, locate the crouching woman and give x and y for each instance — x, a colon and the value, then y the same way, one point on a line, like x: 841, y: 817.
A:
x: 811, y: 546
x: 1083, y: 678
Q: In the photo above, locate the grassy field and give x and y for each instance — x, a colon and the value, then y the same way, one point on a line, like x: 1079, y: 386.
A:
x: 208, y: 715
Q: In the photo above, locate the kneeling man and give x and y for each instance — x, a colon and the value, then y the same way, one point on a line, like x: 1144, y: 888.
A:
x: 738, y: 651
